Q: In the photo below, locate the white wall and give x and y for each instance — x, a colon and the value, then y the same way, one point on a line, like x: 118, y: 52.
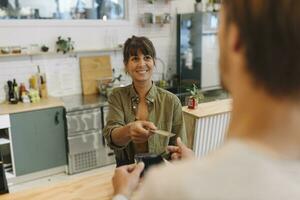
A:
x: 87, y: 35
x: 183, y: 6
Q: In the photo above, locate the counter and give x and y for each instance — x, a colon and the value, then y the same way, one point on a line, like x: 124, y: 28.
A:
x: 80, y: 102
x: 206, y: 126
x: 93, y: 187
x: 50, y: 102
x: 71, y: 103
x: 209, y: 108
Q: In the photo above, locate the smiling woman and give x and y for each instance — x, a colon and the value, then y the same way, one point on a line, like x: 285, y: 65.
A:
x: 138, y: 109
x: 62, y: 9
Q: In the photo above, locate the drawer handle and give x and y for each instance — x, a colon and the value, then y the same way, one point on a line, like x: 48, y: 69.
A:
x: 110, y: 154
x: 56, y: 118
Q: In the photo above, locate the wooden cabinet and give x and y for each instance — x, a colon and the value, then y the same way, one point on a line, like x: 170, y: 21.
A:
x: 207, y: 125
x: 38, y: 140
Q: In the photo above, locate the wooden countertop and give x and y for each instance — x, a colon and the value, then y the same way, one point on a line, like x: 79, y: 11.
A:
x: 92, y: 187
x: 210, y: 108
x: 50, y: 102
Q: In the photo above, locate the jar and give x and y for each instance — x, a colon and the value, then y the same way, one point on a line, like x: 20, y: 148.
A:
x: 192, y: 103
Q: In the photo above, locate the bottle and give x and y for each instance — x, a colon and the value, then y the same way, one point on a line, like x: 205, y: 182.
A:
x: 22, y: 91
x: 11, y: 93
x: 43, y: 87
x: 198, y: 6
x: 15, y: 89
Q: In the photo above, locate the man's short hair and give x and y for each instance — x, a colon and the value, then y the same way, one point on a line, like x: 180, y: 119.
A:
x: 270, y: 33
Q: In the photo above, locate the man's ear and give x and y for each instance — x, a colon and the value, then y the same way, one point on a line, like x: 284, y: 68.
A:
x: 235, y: 41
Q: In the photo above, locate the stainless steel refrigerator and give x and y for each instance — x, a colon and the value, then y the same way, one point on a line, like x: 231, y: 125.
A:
x: 197, y: 51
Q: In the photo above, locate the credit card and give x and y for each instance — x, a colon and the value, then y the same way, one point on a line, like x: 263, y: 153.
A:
x: 164, y: 133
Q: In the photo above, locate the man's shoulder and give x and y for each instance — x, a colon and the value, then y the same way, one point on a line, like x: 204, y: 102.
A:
x: 229, y: 152
x: 235, y: 171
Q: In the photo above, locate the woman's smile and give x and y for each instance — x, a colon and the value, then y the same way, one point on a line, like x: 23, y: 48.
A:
x: 142, y: 71
x: 140, y: 67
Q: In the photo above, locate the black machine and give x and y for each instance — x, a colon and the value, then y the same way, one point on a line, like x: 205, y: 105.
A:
x: 149, y: 160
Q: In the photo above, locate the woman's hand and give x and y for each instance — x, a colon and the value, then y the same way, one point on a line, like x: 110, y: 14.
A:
x: 140, y: 131
x: 180, y: 151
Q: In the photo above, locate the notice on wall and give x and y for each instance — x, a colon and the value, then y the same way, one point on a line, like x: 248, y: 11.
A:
x: 63, y: 77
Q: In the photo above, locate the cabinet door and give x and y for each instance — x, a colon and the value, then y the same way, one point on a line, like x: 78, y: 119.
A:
x: 51, y: 137
x: 39, y: 140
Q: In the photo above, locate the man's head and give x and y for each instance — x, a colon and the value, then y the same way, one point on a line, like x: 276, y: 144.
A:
x: 264, y: 37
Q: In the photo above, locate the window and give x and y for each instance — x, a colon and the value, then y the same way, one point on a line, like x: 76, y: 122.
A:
x: 62, y: 9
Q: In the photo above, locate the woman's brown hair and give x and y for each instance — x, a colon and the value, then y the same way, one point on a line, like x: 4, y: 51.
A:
x: 135, y: 44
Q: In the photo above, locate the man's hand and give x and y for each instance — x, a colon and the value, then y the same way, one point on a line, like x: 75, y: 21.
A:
x: 180, y: 151
x: 140, y: 131
x: 126, y: 178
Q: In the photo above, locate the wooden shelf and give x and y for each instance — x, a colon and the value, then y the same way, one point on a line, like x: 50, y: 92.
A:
x: 59, y: 53
x: 154, y: 24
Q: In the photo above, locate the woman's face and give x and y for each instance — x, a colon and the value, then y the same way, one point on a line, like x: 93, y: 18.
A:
x: 140, y: 67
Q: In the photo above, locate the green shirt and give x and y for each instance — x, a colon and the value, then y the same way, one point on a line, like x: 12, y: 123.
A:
x: 165, y: 112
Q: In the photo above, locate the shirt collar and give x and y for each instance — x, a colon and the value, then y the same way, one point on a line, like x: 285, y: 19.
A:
x: 150, y: 96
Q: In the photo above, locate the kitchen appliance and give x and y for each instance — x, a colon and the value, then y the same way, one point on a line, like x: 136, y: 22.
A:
x: 197, y: 51
x: 149, y: 159
x: 86, y: 145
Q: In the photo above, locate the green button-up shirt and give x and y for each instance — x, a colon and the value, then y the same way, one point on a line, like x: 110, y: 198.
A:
x: 165, y: 112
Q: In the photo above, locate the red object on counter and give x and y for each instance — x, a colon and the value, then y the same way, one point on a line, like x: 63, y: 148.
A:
x: 192, y: 103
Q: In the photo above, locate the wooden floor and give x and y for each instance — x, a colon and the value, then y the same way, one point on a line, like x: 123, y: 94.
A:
x: 92, y: 187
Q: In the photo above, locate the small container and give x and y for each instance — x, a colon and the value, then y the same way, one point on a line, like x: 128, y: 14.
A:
x: 192, y: 103
x: 22, y: 90
x: 16, y: 49
x: 5, y: 50
x: 44, y: 48
x: 148, y: 18
x: 166, y: 18
x: 34, y: 48
x: 105, y: 85
x: 159, y: 19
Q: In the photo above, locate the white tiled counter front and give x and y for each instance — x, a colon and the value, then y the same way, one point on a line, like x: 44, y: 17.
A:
x: 206, y: 126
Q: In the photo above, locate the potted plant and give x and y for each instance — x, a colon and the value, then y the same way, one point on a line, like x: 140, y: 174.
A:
x: 195, y: 97
x: 64, y: 45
